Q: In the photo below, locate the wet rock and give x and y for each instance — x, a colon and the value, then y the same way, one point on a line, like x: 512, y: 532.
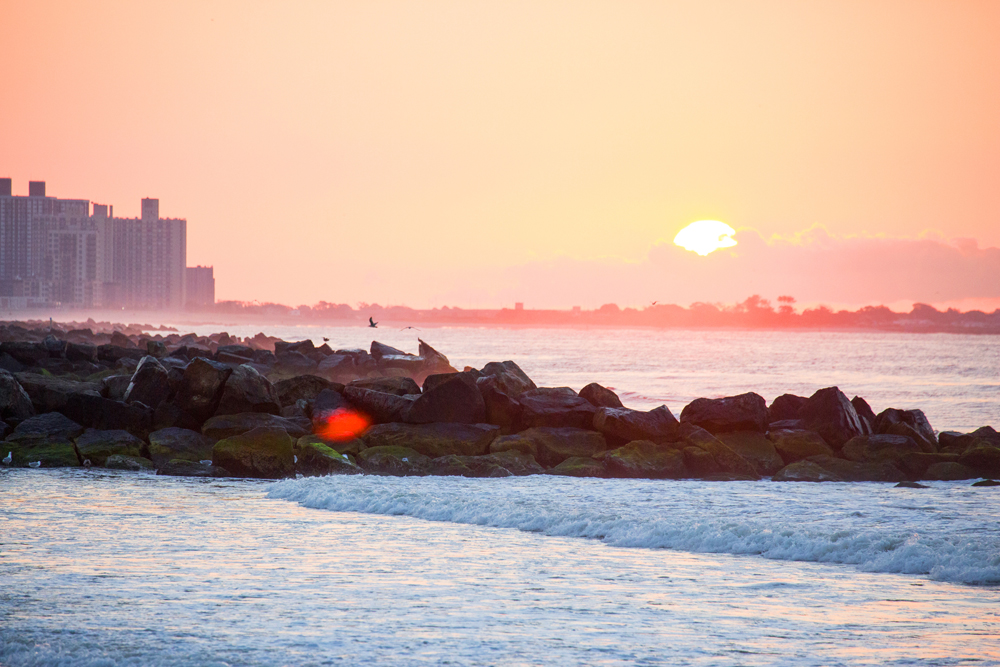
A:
x: 15, y: 403
x: 52, y: 394
x: 600, y: 397
x: 797, y: 444
x: 879, y: 447
x: 393, y: 460
x: 866, y: 414
x: 552, y: 445
x: 729, y: 461
x: 133, y: 463
x: 646, y: 460
x: 150, y: 384
x: 986, y: 482
x: 984, y: 458
x: 317, y: 459
x: 517, y: 463
x: 915, y: 465
x: 901, y: 429
x: 579, y: 466
x: 911, y: 485
x: 754, y: 447
x: 199, y: 392
x: 623, y: 424
x: 746, y: 412
x: 47, y: 438
x: 467, y: 466
x: 264, y: 452
x: 178, y: 443
x: 397, y: 386
x: 987, y: 433
x: 349, y: 447
x: 184, y: 468
x: 301, y: 387
x: 99, y: 445
x: 454, y: 398
x: 508, y: 378
x: 555, y: 407
x: 915, y: 419
x: 115, y: 386
x: 699, y: 462
x: 379, y: 350
x: 220, y: 427
x: 829, y: 413
x: 434, y: 440
x: 381, y: 407
x: 853, y: 471
x: 786, y: 406
x: 501, y: 409
x: 805, y: 471
x: 246, y: 390
x: 949, y: 471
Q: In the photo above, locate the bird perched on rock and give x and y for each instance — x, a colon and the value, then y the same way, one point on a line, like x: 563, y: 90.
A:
x: 35, y: 464
x: 372, y: 323
x: 87, y: 464
x: 7, y: 459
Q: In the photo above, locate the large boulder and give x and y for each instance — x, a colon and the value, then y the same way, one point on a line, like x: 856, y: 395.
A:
x: 337, y: 365
x: 755, y: 448
x: 393, y: 460
x: 926, y: 444
x: 246, y: 390
x: 295, y: 363
x: 915, y: 419
x: 96, y: 446
x: 171, y: 443
x: 517, y: 463
x: 950, y: 472
x: 728, y: 461
x: 227, y: 426
x: 133, y: 463
x: 645, y: 459
x: 453, y: 398
x: 600, y: 397
x: 805, y: 471
x: 865, y: 413
x: 797, y: 444
x: 27, y: 354
x: 316, y: 459
x: 264, y: 452
x: 784, y: 407
x: 81, y: 352
x: 552, y: 445
x: 915, y: 464
x: 349, y: 447
x: 115, y: 386
x: 397, y: 385
x: 149, y: 385
x: 379, y: 350
x: 380, y: 407
x: 52, y: 394
x: 508, y: 377
x: 699, y: 462
x: 502, y: 409
x: 46, y: 438
x: 434, y: 440
x: 199, y: 392
x: 467, y: 466
x: 299, y: 387
x: 555, y: 407
x: 579, y: 466
x: 625, y: 425
x: 15, y: 404
x: 434, y: 361
x: 185, y: 468
x: 984, y: 458
x: 854, y: 471
x: 829, y: 413
x: 879, y: 447
x: 746, y: 412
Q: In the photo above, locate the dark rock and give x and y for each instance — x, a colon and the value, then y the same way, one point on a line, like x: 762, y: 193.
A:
x: 393, y: 460
x: 434, y: 361
x: 600, y: 397
x: 220, y: 427
x: 755, y: 448
x: 118, y: 339
x: 555, y: 407
x: 916, y: 464
x: 242, y: 352
x: 301, y: 387
x: 200, y: 391
x: 911, y: 485
x: 729, y: 461
x: 805, y: 471
x: 317, y: 459
x: 52, y: 394
x: 133, y: 463
x: 53, y: 426
x: 325, y: 404
x: 796, y: 445
x: 509, y: 378
x: 184, y: 468
x: 336, y: 365
x: 380, y: 407
x: 99, y: 445
x: 879, y: 447
x: 645, y: 459
x: 114, y: 353
x: 179, y: 443
x: 10, y: 364
x: 623, y: 424
x: 746, y: 412
x: 264, y: 452
x: 925, y: 444
x: 516, y: 463
x: 699, y: 462
x: 786, y: 406
x: 984, y: 458
x: 398, y: 386
x: 14, y: 401
x: 501, y: 409
x: 28, y: 354
x: 455, y: 398
x: 55, y: 347
x: 115, y: 386
x: 986, y: 482
x: 579, y: 466
x: 552, y: 445
x: 467, y: 466
x: 81, y: 352
x: 379, y: 350
x: 246, y: 390
x: 434, y: 440
x: 150, y: 384
x: 853, y: 471
x: 156, y: 348
x: 866, y: 414
x: 949, y: 472
x: 829, y: 413
x: 349, y: 447
x: 913, y: 418
x: 45, y: 438
x: 295, y: 362
x: 987, y: 433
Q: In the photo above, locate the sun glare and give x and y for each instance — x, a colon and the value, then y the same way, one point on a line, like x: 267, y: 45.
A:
x: 705, y: 236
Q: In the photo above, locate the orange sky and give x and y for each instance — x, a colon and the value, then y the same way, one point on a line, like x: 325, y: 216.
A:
x: 393, y: 152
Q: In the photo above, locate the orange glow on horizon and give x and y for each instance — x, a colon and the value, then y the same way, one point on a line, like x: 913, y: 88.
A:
x: 343, y: 424
x: 705, y: 236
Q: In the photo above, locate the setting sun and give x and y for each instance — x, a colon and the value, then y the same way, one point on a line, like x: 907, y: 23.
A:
x: 705, y: 236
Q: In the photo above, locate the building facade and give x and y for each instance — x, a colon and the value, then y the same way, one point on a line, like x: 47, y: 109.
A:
x: 200, y: 286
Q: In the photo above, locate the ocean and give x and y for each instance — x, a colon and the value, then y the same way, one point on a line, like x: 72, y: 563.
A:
x: 102, y: 568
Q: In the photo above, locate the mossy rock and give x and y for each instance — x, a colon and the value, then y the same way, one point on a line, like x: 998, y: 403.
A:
x: 170, y: 443
x: 315, y: 459
x: 97, y: 445
x: 264, y: 453
x: 124, y: 462
x: 645, y: 459
x: 580, y: 466
x: 185, y: 468
x: 349, y: 447
x: 51, y: 453
x: 394, y: 460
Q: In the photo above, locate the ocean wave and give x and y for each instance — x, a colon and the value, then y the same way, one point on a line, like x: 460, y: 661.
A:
x: 950, y: 535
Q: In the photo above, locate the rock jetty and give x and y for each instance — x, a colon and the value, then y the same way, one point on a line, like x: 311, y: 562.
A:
x: 220, y: 406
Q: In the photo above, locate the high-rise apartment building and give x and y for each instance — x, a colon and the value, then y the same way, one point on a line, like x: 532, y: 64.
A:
x: 55, y: 252
x: 200, y: 286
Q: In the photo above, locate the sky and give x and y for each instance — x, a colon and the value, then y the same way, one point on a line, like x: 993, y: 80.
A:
x: 475, y: 154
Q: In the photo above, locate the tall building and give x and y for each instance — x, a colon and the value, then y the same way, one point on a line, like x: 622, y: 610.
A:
x: 53, y: 252
x: 200, y: 286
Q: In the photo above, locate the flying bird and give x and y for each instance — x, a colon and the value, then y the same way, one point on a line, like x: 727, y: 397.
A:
x: 405, y: 328
x: 7, y: 459
x: 325, y: 339
x: 372, y: 323
x: 35, y: 464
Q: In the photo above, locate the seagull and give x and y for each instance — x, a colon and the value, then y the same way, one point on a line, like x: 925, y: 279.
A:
x: 7, y: 459
x: 87, y: 464
x: 405, y: 328
x: 325, y: 339
x: 35, y: 464
x: 372, y: 323
x: 653, y: 304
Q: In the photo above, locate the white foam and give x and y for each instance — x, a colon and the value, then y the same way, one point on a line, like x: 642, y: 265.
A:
x: 947, y: 533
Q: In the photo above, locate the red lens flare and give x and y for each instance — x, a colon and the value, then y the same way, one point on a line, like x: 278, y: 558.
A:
x: 343, y: 424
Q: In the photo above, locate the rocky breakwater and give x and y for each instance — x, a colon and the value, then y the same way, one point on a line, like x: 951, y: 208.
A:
x: 177, y: 407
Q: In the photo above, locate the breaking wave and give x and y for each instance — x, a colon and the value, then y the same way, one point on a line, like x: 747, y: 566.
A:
x: 947, y: 533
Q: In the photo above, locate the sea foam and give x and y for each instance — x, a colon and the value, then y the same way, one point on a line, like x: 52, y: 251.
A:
x: 947, y: 533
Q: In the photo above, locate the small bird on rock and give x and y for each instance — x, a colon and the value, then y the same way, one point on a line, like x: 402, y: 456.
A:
x: 35, y: 464
x: 7, y: 459
x: 87, y: 464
